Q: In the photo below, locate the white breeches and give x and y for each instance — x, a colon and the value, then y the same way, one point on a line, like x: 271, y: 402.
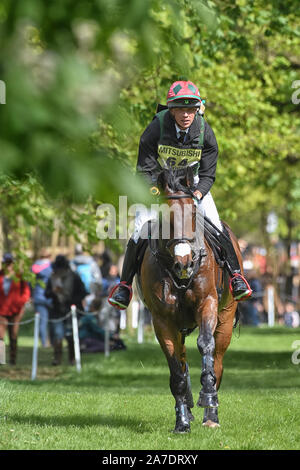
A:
x: 206, y: 205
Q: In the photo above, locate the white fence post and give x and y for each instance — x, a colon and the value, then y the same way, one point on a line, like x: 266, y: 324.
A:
x: 2, y: 352
x: 123, y: 319
x: 141, y: 317
x: 271, y: 306
x: 107, y: 333
x: 76, y: 338
x: 35, y: 346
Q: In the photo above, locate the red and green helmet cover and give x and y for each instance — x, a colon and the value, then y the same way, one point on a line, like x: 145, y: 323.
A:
x: 183, y: 94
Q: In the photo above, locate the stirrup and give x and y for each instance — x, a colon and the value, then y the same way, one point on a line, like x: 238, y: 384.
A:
x: 116, y: 304
x: 242, y: 296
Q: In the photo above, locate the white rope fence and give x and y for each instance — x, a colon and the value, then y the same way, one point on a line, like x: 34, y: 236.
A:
x: 76, y: 338
x: 138, y: 323
x: 72, y: 313
x: 36, y: 319
x: 30, y: 320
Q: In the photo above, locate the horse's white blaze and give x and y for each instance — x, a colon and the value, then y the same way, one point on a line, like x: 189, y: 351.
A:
x: 182, y: 249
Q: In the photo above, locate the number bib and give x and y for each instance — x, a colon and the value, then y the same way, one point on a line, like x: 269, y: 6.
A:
x: 174, y: 157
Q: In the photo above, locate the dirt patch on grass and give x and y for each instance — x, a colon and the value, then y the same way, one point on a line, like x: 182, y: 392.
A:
x: 22, y: 373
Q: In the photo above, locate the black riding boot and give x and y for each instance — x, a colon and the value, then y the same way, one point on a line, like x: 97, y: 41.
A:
x: 121, y: 295
x: 239, y: 287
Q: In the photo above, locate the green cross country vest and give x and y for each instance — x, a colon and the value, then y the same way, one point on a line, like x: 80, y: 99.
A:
x: 173, y: 155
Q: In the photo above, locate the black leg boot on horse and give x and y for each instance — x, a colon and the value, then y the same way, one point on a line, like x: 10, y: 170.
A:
x: 121, y: 294
x: 189, y: 396
x: 208, y: 397
x: 180, y: 389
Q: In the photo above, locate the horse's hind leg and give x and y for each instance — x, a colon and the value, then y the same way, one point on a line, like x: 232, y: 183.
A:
x: 171, y: 343
x: 208, y: 397
x: 189, y: 395
x: 222, y: 336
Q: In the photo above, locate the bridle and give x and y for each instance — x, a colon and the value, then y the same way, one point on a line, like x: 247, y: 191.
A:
x: 184, y: 239
x: 197, y: 256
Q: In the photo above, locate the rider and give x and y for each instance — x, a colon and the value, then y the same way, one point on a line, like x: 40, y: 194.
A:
x: 184, y: 129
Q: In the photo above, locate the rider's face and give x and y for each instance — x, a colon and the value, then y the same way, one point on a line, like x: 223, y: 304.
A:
x: 184, y: 116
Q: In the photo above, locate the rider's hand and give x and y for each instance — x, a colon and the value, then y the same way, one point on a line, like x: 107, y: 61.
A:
x: 197, y: 194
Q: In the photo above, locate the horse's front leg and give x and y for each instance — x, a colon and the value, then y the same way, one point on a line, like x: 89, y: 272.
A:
x: 171, y: 343
x: 208, y: 397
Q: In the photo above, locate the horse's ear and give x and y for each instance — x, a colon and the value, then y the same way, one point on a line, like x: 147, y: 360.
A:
x: 189, y: 177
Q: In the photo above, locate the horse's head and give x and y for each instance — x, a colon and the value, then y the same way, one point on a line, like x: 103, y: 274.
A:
x: 177, y: 188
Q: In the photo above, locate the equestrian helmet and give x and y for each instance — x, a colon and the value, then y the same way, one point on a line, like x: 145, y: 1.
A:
x: 183, y: 94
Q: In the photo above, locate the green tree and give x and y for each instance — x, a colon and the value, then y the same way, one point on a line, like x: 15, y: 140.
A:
x: 84, y: 80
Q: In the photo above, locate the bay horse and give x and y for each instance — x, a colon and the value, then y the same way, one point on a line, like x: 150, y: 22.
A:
x: 184, y: 288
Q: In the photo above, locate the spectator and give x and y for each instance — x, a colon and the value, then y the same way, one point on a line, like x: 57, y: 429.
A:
x: 65, y: 288
x: 253, y: 306
x: 111, y: 280
x: 291, y: 316
x: 42, y: 269
x: 14, y: 293
x: 106, y: 263
x: 92, y: 335
x: 88, y: 270
x: 270, y: 291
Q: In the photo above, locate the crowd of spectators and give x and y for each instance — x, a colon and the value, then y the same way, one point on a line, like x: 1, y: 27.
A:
x: 85, y: 281
x: 59, y: 284
x: 266, y: 296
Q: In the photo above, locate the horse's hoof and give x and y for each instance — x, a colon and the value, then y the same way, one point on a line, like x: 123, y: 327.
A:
x: 210, y: 424
x: 210, y: 418
x: 181, y: 430
x: 208, y: 400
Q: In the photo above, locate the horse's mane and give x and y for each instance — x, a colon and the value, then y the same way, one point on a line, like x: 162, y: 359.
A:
x: 176, y: 179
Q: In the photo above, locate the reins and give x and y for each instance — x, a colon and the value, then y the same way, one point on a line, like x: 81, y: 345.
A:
x: 179, y: 196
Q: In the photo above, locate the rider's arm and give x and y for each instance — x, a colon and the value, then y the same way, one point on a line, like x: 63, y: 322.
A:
x: 208, y: 162
x: 147, y: 164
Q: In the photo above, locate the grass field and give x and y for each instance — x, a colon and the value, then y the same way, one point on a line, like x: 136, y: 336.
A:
x: 123, y: 401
